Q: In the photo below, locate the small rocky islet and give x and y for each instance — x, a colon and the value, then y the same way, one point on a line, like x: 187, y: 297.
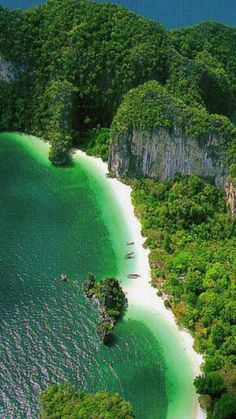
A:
x: 111, y: 300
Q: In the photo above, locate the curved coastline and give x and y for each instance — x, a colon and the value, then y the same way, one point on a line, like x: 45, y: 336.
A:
x: 140, y: 292
x: 144, y: 304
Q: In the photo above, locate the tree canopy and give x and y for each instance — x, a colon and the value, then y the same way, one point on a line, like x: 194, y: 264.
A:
x: 98, y: 52
x: 62, y: 401
x: 192, y: 238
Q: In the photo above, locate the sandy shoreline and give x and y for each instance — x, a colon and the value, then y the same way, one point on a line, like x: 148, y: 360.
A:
x: 140, y: 292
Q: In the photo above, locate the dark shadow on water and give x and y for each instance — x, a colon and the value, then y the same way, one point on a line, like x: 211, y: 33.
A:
x: 68, y: 164
x: 140, y: 368
x: 113, y: 341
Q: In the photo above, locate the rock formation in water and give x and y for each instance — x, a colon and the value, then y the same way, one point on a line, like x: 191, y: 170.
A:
x: 111, y: 300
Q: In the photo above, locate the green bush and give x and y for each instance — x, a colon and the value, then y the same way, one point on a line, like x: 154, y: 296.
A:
x: 225, y: 407
x: 211, y: 383
x: 98, y: 143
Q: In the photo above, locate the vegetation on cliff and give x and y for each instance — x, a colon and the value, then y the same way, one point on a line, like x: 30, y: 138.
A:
x: 156, y: 134
x: 211, y: 44
x: 97, y: 52
x: 111, y: 299
x: 192, y: 238
x: 151, y: 106
x: 201, y: 81
x: 88, y: 56
x: 63, y: 401
x: 96, y: 142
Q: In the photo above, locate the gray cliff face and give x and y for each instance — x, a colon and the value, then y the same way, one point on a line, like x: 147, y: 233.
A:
x: 230, y: 192
x: 7, y: 71
x: 162, y: 155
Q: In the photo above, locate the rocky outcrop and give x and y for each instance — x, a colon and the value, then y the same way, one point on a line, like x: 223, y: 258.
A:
x: 7, y: 71
x: 154, y: 134
x: 230, y: 192
x: 162, y: 155
x: 111, y: 300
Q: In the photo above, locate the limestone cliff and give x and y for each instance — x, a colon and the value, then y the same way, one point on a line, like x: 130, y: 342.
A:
x: 156, y: 135
x: 161, y: 155
x: 7, y: 71
x: 230, y: 192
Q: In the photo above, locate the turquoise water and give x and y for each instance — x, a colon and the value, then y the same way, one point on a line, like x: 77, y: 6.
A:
x: 55, y: 220
x: 171, y: 13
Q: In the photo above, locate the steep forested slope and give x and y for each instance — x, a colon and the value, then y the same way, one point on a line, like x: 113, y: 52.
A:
x: 77, y: 60
x: 155, y: 134
x: 211, y: 47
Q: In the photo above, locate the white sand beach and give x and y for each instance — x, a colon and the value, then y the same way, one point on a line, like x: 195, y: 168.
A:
x: 140, y: 292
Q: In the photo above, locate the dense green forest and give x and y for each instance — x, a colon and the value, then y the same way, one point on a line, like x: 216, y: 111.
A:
x: 63, y: 401
x: 72, y: 64
x: 73, y: 61
x: 205, y: 66
x: 192, y: 238
x: 152, y: 106
x: 77, y: 59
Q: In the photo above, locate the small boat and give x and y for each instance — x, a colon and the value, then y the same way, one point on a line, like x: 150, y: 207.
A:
x: 133, y: 276
x: 63, y: 277
x: 129, y: 254
x: 129, y: 257
x: 129, y: 243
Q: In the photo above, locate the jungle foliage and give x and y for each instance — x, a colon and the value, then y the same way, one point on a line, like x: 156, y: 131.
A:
x: 62, y: 401
x: 211, y: 43
x: 192, y: 238
x: 97, y: 51
x: 151, y: 106
x: 74, y: 61
x: 96, y: 142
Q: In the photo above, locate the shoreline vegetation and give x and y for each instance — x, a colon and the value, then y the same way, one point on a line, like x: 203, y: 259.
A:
x: 111, y: 300
x: 64, y: 401
x: 191, y: 236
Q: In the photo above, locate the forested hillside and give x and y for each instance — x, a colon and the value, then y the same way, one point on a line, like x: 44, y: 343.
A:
x: 77, y: 59
x: 192, y: 238
x: 156, y: 134
x: 73, y: 61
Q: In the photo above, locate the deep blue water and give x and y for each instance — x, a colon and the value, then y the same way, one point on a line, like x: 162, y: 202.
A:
x: 171, y: 13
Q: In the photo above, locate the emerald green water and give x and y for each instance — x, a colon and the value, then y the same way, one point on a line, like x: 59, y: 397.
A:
x: 55, y: 220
